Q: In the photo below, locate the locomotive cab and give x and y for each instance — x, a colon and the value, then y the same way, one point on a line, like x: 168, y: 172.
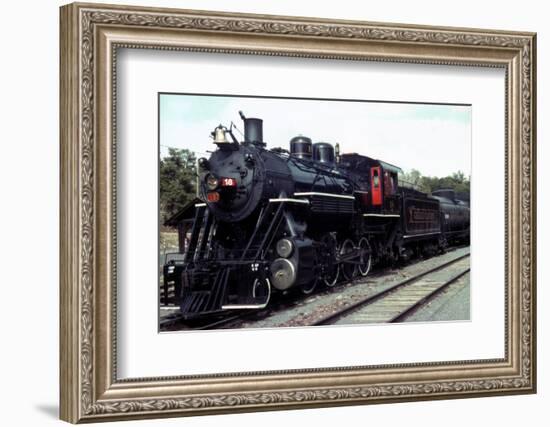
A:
x: 390, y: 184
x: 377, y: 184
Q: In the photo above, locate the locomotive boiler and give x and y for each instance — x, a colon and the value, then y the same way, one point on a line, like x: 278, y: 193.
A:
x: 274, y: 220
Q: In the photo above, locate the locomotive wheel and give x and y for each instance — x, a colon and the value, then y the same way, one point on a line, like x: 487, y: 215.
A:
x: 365, y: 257
x: 261, y: 290
x: 328, y: 260
x: 349, y: 270
x: 309, y: 287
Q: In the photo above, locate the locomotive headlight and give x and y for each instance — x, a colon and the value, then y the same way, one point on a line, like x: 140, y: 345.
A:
x: 212, y: 182
x: 284, y: 248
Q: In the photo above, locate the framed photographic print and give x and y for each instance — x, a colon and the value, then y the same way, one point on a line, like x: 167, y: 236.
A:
x: 268, y: 212
x: 294, y: 243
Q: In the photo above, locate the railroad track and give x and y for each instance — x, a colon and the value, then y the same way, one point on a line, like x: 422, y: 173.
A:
x: 219, y: 324
x: 200, y: 325
x: 169, y: 321
x: 396, y: 303
x: 176, y: 322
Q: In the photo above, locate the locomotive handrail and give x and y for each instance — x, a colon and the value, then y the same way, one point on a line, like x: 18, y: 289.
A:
x: 316, y: 193
x: 267, y: 235
x: 410, y: 236
x: 383, y: 215
x: 281, y: 200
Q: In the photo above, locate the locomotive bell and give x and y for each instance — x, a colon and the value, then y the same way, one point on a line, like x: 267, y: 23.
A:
x: 219, y: 135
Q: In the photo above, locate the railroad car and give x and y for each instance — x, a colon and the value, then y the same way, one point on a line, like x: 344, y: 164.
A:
x: 272, y: 220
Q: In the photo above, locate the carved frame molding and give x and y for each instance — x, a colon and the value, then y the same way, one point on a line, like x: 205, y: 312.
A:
x: 90, y: 36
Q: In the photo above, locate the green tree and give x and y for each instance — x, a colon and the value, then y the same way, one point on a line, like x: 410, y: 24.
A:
x: 457, y: 181
x: 411, y: 178
x: 177, y: 181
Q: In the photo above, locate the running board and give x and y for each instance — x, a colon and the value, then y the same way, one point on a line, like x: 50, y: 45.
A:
x: 244, y: 306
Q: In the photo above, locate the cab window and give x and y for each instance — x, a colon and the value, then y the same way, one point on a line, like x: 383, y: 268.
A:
x: 390, y: 183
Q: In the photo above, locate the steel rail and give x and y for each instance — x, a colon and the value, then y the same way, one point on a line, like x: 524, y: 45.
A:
x: 371, y: 298
x: 220, y: 322
x: 415, y: 306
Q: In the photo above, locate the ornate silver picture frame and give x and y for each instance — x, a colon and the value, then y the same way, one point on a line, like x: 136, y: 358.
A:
x: 91, y: 37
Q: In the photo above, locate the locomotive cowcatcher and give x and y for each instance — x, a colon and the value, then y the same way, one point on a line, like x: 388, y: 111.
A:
x: 270, y: 220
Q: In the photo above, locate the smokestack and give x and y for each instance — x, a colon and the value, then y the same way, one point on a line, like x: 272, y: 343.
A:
x: 253, y: 130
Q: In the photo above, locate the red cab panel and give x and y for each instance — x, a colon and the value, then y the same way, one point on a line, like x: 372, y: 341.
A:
x: 376, y: 186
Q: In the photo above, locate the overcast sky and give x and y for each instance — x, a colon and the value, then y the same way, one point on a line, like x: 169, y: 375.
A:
x: 434, y: 139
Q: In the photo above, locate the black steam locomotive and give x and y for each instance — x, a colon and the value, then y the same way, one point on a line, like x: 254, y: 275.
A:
x: 272, y: 220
